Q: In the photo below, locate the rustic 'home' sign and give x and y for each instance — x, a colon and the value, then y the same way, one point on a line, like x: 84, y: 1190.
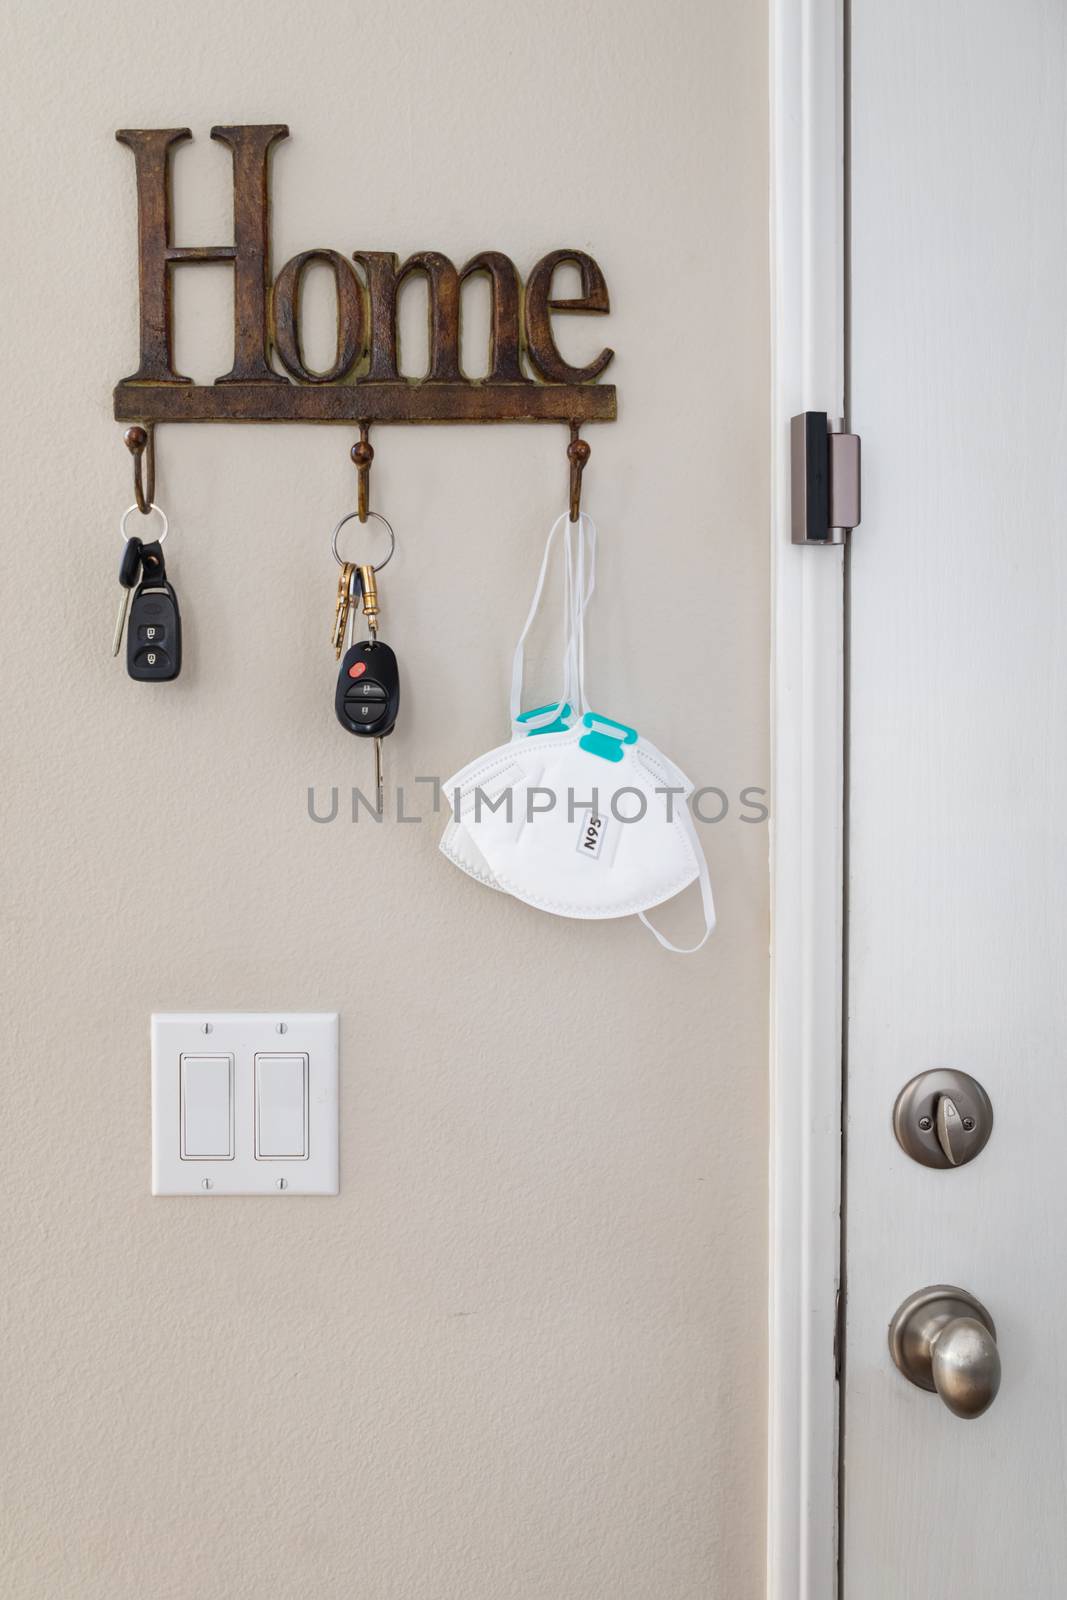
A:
x: 363, y: 383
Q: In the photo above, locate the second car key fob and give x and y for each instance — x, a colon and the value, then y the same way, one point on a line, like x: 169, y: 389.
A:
x: 154, y: 633
x: 367, y: 698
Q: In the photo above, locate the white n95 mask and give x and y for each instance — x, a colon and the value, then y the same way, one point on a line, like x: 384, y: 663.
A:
x: 576, y: 814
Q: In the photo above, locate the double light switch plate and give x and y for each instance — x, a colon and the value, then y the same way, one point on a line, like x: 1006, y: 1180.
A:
x: 244, y: 1102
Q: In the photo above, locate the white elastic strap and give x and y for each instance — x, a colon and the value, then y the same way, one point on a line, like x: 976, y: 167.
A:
x: 583, y: 585
x: 579, y: 580
x: 519, y: 656
x: 706, y: 900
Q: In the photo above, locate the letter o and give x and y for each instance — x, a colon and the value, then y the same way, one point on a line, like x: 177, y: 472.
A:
x: 629, y: 789
x: 285, y: 316
x: 698, y: 794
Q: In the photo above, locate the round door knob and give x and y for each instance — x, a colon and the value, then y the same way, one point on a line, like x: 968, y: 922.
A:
x: 944, y: 1340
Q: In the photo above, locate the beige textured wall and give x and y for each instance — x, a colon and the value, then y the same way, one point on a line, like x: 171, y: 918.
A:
x: 520, y: 1357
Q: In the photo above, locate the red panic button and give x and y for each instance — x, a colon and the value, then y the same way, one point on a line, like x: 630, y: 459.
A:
x: 357, y: 669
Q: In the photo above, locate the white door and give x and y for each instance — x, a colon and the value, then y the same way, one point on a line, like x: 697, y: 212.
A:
x: 958, y: 770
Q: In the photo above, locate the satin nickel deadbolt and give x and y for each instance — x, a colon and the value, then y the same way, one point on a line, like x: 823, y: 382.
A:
x: 944, y: 1340
x: 943, y: 1118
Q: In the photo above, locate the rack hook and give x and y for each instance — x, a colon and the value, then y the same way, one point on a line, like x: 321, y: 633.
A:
x: 362, y: 455
x: 578, y: 453
x: 141, y: 443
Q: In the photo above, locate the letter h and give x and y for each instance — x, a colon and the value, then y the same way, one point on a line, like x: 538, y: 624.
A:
x: 249, y: 252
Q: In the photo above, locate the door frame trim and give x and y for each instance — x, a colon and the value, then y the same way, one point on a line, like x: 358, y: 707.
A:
x: 808, y: 280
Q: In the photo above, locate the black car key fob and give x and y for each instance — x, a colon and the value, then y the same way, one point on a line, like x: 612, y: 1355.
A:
x: 368, y: 689
x: 154, y: 633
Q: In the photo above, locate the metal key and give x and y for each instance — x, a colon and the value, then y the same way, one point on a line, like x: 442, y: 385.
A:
x: 343, y: 607
x: 129, y: 572
x: 367, y: 698
x: 369, y: 590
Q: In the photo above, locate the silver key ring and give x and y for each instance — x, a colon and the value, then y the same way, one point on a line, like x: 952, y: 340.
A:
x: 378, y: 518
x: 135, y: 507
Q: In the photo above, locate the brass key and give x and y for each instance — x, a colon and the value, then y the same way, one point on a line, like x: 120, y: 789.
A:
x: 369, y: 587
x: 344, y: 601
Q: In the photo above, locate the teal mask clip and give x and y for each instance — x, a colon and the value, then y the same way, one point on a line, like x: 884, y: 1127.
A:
x: 606, y: 745
x: 558, y: 724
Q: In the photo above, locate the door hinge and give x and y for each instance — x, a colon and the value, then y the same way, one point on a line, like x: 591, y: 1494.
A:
x: 825, y: 472
x: 839, y: 1335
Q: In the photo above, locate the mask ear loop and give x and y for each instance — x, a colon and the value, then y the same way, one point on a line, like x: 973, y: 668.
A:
x: 583, y: 583
x: 578, y: 585
x: 518, y: 660
x: 706, y: 899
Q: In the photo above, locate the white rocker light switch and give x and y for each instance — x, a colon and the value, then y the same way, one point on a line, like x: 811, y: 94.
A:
x: 281, y: 1108
x: 207, y: 1108
x: 244, y: 1103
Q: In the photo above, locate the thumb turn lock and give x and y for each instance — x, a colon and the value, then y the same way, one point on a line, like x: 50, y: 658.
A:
x: 943, y: 1118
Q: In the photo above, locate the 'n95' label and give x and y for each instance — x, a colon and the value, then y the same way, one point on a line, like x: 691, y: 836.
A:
x: 591, y: 836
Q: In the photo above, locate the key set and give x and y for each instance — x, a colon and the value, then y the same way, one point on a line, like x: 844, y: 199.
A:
x: 154, y: 634
x: 367, y: 697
